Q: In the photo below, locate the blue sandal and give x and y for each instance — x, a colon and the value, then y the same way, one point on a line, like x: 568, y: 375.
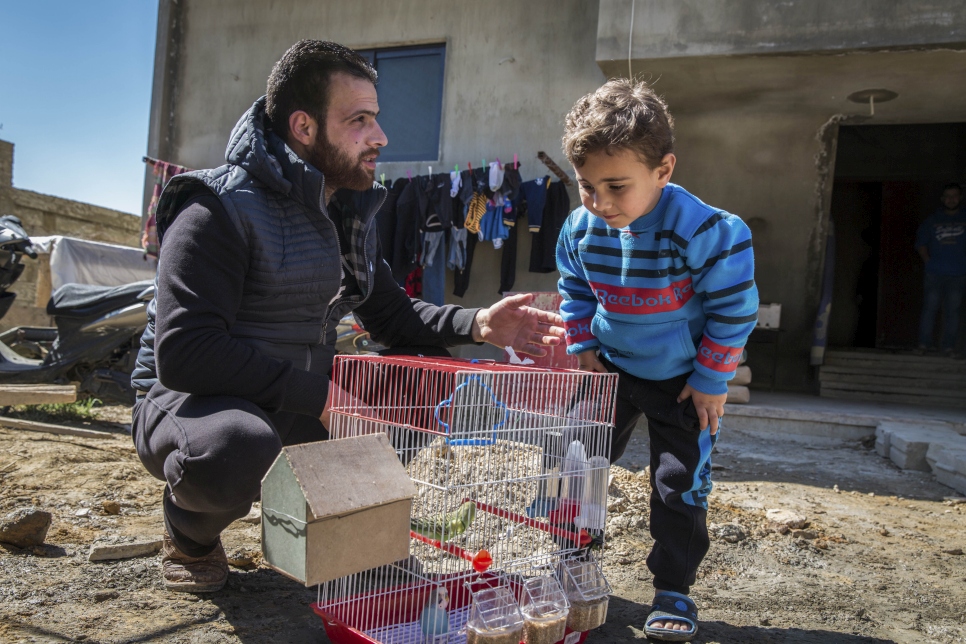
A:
x: 666, y: 606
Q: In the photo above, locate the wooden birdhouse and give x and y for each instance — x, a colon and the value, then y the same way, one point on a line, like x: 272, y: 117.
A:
x: 335, y: 508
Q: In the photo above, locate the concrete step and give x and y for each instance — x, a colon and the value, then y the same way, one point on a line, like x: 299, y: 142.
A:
x: 893, y: 385
x: 885, y: 354
x: 925, y: 446
x: 895, y: 362
x: 948, y: 464
x: 840, y: 372
x: 906, y: 443
x: 912, y: 397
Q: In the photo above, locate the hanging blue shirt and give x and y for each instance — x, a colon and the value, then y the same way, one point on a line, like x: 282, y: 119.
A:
x: 944, y: 237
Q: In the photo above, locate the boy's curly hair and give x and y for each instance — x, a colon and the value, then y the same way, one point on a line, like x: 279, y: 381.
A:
x: 622, y: 114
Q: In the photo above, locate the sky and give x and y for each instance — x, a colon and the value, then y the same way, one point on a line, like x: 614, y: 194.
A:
x: 75, y: 96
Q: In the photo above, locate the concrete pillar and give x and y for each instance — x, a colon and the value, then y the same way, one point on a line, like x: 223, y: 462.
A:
x: 6, y: 164
x: 6, y: 178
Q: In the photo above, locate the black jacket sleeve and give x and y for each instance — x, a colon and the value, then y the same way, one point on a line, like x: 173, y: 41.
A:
x: 396, y: 320
x: 201, y: 273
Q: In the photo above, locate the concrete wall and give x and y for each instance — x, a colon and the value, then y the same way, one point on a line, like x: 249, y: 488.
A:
x: 673, y: 28
x: 758, y: 89
x: 44, y: 215
x: 513, y: 69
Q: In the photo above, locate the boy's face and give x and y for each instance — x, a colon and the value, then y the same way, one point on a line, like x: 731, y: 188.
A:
x: 619, y: 188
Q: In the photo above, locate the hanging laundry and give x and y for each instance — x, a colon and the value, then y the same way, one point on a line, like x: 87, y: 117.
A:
x: 496, y: 176
x: 511, y: 195
x: 475, y: 212
x: 461, y: 281
x: 409, y: 216
x: 543, y: 244
x: 434, y: 268
x: 508, y: 261
x: 534, y: 194
x: 439, y: 209
x: 386, y: 219
x: 163, y: 172
x: 456, y: 260
x: 413, y: 283
x: 492, y: 227
x: 455, y: 181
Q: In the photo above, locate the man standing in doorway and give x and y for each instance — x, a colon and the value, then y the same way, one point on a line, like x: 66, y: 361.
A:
x: 941, y: 242
x: 259, y: 260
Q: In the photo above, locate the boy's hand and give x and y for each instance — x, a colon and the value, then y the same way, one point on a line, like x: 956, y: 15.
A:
x: 589, y: 362
x: 709, y: 407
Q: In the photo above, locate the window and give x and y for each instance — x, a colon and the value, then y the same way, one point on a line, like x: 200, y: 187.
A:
x: 410, y: 100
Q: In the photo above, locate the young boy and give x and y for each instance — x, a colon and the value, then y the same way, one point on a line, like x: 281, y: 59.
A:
x: 659, y: 288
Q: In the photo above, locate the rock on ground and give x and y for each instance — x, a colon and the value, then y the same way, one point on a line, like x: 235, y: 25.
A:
x: 25, y: 527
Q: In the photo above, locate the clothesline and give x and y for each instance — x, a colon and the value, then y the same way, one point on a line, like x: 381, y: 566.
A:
x: 542, y: 156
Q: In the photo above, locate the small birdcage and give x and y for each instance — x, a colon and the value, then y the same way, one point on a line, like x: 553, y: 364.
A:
x: 511, y: 469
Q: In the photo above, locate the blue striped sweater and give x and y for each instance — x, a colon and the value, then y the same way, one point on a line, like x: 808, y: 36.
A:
x: 673, y: 292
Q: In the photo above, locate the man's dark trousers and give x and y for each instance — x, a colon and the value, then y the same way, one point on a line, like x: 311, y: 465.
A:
x: 212, y: 451
x: 680, y: 473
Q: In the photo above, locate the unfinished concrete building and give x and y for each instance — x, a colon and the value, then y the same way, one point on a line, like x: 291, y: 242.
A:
x: 790, y: 114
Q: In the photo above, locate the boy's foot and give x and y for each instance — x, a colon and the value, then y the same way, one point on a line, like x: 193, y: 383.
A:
x: 673, y: 618
x: 185, y: 574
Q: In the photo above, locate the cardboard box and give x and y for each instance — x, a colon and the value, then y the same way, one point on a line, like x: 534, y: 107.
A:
x: 335, y: 508
x: 769, y: 316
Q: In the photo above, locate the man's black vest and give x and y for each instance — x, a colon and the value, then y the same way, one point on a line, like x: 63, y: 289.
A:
x: 291, y: 300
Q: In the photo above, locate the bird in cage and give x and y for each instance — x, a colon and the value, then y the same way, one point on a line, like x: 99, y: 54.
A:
x: 434, y: 620
x: 445, y: 527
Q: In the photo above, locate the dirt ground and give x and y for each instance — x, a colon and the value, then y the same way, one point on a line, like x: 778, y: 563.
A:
x: 876, y: 563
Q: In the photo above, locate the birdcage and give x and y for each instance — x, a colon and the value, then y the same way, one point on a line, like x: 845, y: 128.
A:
x: 511, y: 468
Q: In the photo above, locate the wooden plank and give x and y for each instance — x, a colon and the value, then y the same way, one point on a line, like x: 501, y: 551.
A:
x: 37, y: 394
x: 34, y: 426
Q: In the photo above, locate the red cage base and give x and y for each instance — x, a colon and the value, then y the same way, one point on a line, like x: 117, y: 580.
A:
x: 385, y: 611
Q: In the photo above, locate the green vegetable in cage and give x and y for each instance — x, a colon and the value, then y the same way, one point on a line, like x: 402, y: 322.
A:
x: 443, y: 528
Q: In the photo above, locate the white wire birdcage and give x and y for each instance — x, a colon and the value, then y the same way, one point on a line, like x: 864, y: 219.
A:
x: 511, y: 468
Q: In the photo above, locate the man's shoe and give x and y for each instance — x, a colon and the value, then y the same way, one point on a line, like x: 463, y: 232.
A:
x: 185, y: 574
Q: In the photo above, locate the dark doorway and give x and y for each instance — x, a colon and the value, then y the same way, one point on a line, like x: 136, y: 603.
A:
x: 888, y: 178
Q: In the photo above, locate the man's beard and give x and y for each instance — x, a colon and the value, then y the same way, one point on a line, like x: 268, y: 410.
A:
x: 339, y: 169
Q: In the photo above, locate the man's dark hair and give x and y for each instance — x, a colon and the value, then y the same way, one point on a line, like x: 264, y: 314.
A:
x: 953, y: 186
x: 300, y: 80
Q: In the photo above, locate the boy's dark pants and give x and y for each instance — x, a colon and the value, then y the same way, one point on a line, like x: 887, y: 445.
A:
x: 680, y: 473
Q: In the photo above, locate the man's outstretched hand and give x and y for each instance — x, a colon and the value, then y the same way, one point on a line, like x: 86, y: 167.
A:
x: 510, y: 322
